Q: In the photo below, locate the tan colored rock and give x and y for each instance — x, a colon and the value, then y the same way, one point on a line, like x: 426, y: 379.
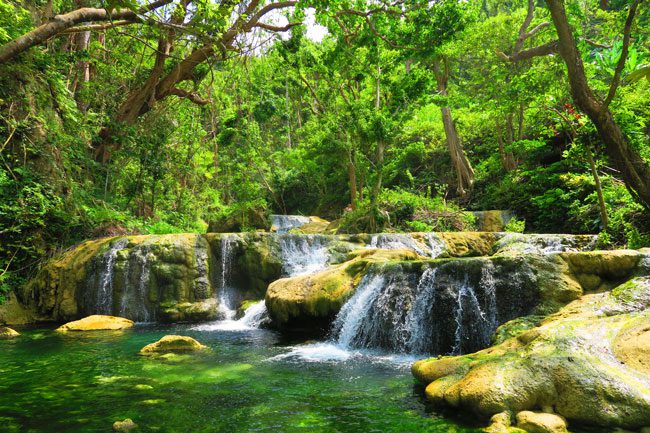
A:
x: 172, y: 344
x: 588, y: 362
x: 540, y: 422
x: 463, y: 244
x: 614, y: 264
x: 97, y: 322
x: 7, y: 333
x: 124, y: 426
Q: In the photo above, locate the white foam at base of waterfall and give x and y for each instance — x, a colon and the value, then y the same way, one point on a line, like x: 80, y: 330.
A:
x: 303, y: 254
x: 253, y: 317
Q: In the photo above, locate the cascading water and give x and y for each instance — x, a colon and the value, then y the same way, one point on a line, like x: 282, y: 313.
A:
x: 134, y: 303
x: 104, y: 296
x: 419, y: 322
x: 436, y: 245
x: 224, y: 292
x: 396, y: 241
x: 284, y: 223
x: 545, y: 244
x: 303, y: 254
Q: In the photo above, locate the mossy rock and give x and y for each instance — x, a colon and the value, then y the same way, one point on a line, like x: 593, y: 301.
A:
x: 97, y: 322
x: 611, y: 265
x: 172, y: 344
x: 586, y: 361
x: 468, y: 244
x: 7, y: 333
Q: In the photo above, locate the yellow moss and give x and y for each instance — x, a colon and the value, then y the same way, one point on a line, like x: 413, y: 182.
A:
x: 97, y: 322
x: 172, y: 344
x: 605, y: 264
x: 462, y: 244
x: 7, y: 333
x: 632, y: 345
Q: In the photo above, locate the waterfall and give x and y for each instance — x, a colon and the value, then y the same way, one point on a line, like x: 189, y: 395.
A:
x: 436, y: 245
x: 134, y: 303
x: 104, y: 300
x: 226, y: 307
x: 284, y: 223
x: 255, y: 315
x: 396, y: 241
x: 303, y: 254
x: 545, y: 244
x: 439, y: 310
x: 422, y: 336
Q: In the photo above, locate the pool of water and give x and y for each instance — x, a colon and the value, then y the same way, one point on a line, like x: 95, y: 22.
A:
x: 249, y: 381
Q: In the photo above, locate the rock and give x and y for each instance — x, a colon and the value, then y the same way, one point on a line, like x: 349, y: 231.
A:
x: 7, y: 333
x: 124, y: 426
x: 539, y: 422
x: 314, y: 299
x: 465, y: 244
x: 609, y: 265
x: 492, y: 220
x: 501, y: 423
x: 316, y: 225
x: 97, y: 323
x: 588, y: 361
x: 172, y: 344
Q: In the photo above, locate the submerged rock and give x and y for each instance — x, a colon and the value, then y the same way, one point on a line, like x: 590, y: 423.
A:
x: 7, y: 333
x: 124, y: 426
x: 172, y: 344
x: 97, y: 322
x: 588, y: 362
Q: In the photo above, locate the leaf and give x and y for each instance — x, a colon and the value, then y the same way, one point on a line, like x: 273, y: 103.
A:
x: 639, y: 74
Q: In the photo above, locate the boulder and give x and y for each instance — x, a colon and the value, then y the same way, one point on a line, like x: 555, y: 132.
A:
x: 124, y: 426
x: 97, y: 323
x: 588, y: 361
x: 540, y: 422
x: 7, y: 333
x: 172, y: 344
x: 464, y: 244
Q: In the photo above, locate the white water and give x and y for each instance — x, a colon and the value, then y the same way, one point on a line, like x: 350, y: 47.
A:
x: 134, y: 302
x: 284, y: 223
x: 420, y: 324
x: 436, y: 245
x: 253, y: 318
x: 104, y: 303
x: 543, y: 244
x: 303, y: 254
x: 224, y: 295
x: 396, y: 241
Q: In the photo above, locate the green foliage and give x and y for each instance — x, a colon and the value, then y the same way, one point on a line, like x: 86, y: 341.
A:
x: 515, y: 225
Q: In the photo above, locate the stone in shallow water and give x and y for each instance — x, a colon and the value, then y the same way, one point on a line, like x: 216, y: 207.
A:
x: 97, y: 323
x: 170, y: 344
x: 539, y: 422
x: 7, y: 333
x: 124, y: 426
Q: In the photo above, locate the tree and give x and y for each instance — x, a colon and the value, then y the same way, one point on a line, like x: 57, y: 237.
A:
x: 633, y: 169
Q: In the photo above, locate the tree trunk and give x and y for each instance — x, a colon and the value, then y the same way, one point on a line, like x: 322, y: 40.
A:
x: 633, y: 169
x: 599, y: 190
x: 462, y: 166
x: 352, y: 174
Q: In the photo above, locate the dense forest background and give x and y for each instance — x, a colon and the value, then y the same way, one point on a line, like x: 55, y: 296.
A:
x: 132, y: 117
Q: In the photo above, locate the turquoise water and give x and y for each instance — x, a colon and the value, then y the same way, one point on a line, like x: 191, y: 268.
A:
x: 249, y: 381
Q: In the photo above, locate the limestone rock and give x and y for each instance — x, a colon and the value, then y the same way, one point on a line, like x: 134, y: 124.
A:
x: 97, y: 322
x: 7, y: 333
x: 172, y: 344
x: 540, y: 422
x: 588, y: 361
x: 465, y: 244
x: 124, y: 426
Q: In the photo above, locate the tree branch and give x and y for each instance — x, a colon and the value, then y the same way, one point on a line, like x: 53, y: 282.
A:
x: 273, y: 28
x: 541, y: 50
x: 192, y: 96
x: 63, y: 22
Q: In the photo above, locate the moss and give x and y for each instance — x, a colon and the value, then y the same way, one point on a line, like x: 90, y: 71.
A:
x: 464, y: 244
x: 172, y: 344
x: 97, y: 323
x: 515, y: 327
x: 566, y: 363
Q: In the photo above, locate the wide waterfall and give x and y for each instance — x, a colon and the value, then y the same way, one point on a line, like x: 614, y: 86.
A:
x: 395, y: 241
x: 442, y: 309
x: 303, y: 254
x: 284, y: 223
x: 135, y: 304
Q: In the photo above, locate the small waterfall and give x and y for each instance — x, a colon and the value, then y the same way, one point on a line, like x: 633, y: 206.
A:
x: 545, y: 244
x: 420, y: 323
x: 255, y: 315
x: 351, y: 323
x: 396, y: 241
x: 284, y: 223
x: 303, y: 254
x: 436, y: 245
x: 104, y: 300
x: 134, y: 303
x: 226, y: 307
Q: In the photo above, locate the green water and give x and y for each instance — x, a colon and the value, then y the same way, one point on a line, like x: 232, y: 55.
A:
x: 245, y: 383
